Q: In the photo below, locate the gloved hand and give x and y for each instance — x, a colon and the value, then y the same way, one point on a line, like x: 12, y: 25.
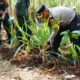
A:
x: 11, y: 20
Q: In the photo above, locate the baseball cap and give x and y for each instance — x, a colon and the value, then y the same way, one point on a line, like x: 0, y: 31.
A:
x: 40, y: 9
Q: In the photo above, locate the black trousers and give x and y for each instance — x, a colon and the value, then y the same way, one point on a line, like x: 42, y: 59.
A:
x: 21, y: 21
x: 6, y: 26
x: 71, y: 27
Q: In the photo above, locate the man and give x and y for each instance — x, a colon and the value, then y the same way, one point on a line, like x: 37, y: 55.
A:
x: 65, y: 17
x: 21, y: 13
x: 4, y: 17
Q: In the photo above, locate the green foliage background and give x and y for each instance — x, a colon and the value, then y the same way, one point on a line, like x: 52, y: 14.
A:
x: 53, y: 3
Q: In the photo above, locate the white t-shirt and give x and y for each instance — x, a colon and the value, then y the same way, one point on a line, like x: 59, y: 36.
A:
x: 62, y: 14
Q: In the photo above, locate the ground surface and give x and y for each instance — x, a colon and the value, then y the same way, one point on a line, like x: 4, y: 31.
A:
x: 8, y: 72
x: 63, y: 71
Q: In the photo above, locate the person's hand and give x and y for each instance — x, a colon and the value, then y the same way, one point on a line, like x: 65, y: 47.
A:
x: 56, y: 28
x: 52, y: 22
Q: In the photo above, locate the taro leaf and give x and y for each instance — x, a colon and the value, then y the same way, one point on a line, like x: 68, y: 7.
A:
x: 74, y: 54
x: 76, y: 32
x: 65, y: 40
x: 74, y: 36
x: 64, y: 33
x: 73, y: 51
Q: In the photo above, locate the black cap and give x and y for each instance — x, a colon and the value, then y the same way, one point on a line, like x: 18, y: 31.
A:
x: 40, y: 9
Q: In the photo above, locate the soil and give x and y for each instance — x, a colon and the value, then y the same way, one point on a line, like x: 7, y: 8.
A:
x: 29, y: 67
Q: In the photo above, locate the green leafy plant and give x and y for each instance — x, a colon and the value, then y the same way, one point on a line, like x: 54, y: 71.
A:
x: 71, y: 47
x: 40, y: 37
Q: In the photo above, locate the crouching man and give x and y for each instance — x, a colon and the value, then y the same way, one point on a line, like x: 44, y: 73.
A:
x: 65, y: 17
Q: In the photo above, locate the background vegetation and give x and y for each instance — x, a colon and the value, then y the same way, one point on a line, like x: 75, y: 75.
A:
x: 52, y: 3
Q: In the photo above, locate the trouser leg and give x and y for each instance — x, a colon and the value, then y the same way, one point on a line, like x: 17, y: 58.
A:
x: 18, y: 32
x: 24, y: 27
x: 7, y: 27
x: 57, y: 40
x: 29, y: 31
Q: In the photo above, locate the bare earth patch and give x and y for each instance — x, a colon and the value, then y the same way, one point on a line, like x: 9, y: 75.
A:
x: 12, y: 72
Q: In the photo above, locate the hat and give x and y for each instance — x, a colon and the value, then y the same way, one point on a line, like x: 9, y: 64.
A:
x: 40, y: 9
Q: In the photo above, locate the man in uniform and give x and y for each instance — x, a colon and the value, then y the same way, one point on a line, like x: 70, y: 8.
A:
x: 65, y: 17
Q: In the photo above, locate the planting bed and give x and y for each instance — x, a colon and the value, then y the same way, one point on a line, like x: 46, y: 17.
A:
x: 30, y: 68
